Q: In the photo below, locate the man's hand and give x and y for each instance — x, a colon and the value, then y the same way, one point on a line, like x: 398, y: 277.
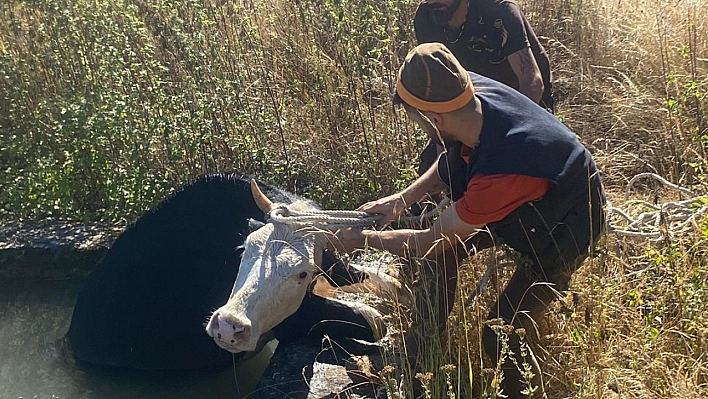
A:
x: 346, y: 240
x: 391, y: 207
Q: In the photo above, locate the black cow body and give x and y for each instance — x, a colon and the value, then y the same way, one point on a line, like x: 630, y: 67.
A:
x: 145, y: 304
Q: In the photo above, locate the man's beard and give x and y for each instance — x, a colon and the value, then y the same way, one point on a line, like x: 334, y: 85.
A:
x: 442, y: 14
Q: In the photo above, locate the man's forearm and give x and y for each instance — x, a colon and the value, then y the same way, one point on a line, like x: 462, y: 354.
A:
x: 403, y: 242
x: 447, y: 230
x: 532, y: 88
x: 526, y: 69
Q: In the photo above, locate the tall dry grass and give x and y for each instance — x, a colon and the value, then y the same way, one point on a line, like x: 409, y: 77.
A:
x: 632, y: 80
x: 106, y: 106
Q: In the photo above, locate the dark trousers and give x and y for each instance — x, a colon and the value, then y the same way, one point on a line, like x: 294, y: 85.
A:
x: 521, y: 305
x: 540, y: 274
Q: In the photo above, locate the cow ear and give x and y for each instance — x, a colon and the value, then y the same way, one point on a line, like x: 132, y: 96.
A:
x: 254, y: 225
x: 330, y: 260
x: 261, y: 200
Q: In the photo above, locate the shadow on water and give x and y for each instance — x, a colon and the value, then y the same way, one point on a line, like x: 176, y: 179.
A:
x: 35, y: 361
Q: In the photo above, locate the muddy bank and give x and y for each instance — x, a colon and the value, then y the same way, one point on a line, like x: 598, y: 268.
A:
x: 51, y: 248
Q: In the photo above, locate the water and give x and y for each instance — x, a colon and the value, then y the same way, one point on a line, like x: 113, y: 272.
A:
x: 35, y: 363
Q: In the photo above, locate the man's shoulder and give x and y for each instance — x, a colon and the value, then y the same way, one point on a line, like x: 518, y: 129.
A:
x: 423, y: 13
x: 496, y: 7
x: 425, y: 27
x: 423, y: 10
x: 497, y: 3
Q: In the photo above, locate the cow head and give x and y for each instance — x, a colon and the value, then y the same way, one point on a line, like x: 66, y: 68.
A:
x: 277, y: 267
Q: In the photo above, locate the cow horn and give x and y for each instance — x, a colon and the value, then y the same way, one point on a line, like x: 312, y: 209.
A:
x: 261, y: 200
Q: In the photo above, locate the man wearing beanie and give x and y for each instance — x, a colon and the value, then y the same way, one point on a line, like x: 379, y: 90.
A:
x: 516, y: 175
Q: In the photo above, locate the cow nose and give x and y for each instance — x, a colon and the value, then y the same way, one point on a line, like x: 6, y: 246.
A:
x: 229, y: 329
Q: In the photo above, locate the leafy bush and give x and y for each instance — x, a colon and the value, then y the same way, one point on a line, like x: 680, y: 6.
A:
x: 107, y: 106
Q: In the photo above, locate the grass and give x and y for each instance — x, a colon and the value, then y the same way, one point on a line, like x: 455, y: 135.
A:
x: 107, y: 106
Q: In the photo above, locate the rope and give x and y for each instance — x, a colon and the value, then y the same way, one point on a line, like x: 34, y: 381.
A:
x: 337, y: 219
x: 325, y: 219
x: 662, y: 220
x: 334, y: 219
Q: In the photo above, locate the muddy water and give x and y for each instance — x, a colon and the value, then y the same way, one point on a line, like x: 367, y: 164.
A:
x: 35, y: 362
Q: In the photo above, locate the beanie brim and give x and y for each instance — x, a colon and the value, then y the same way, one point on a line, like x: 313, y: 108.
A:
x: 435, y: 106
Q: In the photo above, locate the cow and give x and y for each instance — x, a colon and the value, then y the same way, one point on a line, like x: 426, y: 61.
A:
x: 277, y: 268
x: 145, y: 303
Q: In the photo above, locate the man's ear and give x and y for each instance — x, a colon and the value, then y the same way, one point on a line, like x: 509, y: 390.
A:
x: 434, y: 118
x: 422, y: 120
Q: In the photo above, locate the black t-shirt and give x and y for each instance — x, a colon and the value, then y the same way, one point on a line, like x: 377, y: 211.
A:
x: 493, y: 30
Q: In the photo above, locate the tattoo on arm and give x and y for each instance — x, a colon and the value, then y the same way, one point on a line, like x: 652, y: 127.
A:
x: 526, y: 63
x: 530, y: 81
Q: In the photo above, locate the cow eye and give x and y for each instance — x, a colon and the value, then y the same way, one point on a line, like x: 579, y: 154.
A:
x: 303, y: 275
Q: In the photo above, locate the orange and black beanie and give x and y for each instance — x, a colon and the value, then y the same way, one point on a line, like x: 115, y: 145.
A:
x: 432, y: 79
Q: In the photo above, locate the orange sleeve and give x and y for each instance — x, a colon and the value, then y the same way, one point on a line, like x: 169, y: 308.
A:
x: 490, y: 198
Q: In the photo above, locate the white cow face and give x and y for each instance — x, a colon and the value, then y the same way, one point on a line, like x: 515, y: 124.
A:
x: 276, y: 269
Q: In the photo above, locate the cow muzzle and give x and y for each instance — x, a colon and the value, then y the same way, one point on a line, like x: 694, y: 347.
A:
x: 231, y: 332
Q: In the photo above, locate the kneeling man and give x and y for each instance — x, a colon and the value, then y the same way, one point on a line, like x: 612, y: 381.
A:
x: 512, y: 169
